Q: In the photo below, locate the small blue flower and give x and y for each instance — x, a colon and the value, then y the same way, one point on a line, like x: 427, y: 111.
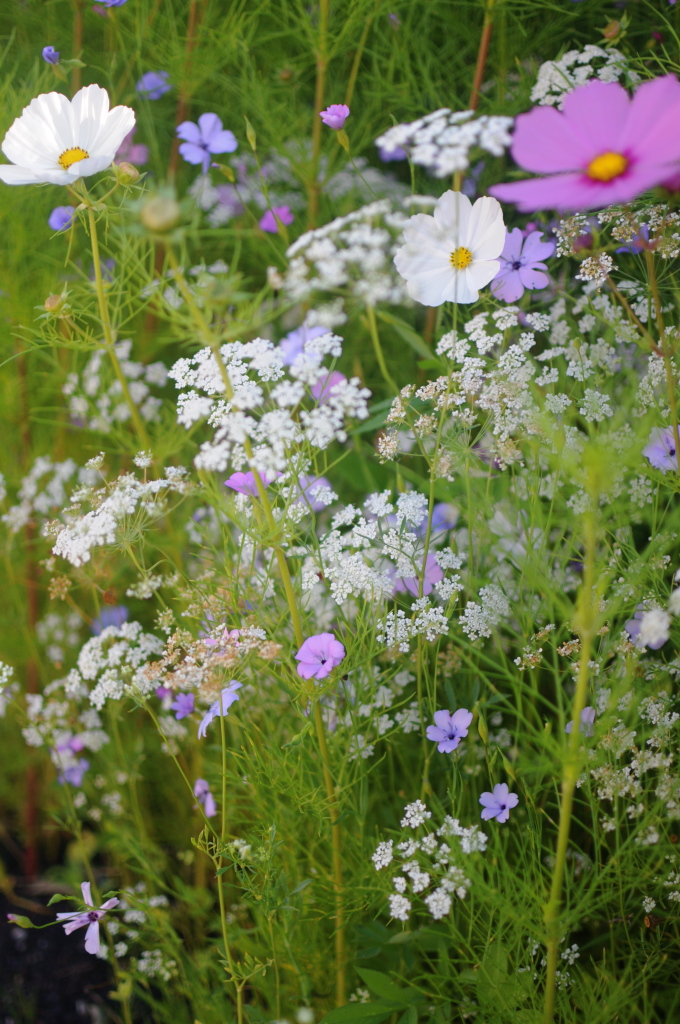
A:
x: 227, y: 698
x: 61, y: 218
x: 50, y: 55
x: 154, y: 84
x: 203, y: 139
x: 183, y: 705
x: 110, y: 616
x: 499, y: 803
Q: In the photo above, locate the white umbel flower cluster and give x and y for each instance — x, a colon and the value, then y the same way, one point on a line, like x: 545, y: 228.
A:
x: 442, y: 141
x: 558, y: 77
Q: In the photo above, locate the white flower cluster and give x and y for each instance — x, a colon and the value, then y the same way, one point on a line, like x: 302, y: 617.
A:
x: 112, y: 505
x: 56, y: 630
x: 556, y: 78
x: 96, y: 395
x: 57, y: 720
x: 480, y: 618
x: 114, y: 661
x: 354, y: 254
x: 429, y: 864
x: 442, y: 141
x: 43, y: 491
x: 7, y: 688
x: 265, y: 428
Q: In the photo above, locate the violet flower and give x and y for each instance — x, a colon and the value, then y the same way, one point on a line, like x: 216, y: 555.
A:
x: 322, y: 390
x: 648, y: 628
x: 433, y: 574
x: 88, y: 919
x: 499, y: 803
x: 309, y: 487
x: 226, y: 699
x: 389, y: 155
x: 335, y: 115
x: 204, y: 139
x: 50, y: 55
x: 183, y: 705
x: 244, y: 483
x: 520, y: 265
x: 154, y: 84
x: 587, y: 719
x: 110, y: 615
x: 74, y: 774
x: 111, y: 3
x: 449, y: 729
x: 602, y: 148
x: 61, y: 218
x: 163, y: 692
x: 292, y: 347
x: 660, y: 449
x: 268, y: 221
x: 132, y: 152
x: 319, y: 655
x: 638, y: 243
x: 205, y: 797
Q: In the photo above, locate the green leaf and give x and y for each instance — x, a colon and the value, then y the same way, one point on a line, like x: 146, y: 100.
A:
x: 57, y: 898
x: 407, y: 334
x: 410, y: 1016
x: 381, y: 985
x: 360, y: 1013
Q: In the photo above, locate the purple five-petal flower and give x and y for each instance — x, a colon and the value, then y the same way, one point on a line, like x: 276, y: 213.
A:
x: 449, y: 729
x: 183, y: 705
x: 499, y: 803
x: 268, y: 221
x: 660, y: 449
x: 89, y: 919
x: 154, y: 84
x: 50, y: 55
x: 204, y: 139
x: 205, y: 797
x: 244, y: 483
x: 335, y: 115
x: 521, y: 265
x: 319, y: 655
x: 226, y: 699
x: 433, y: 574
x: 293, y: 345
x: 61, y: 218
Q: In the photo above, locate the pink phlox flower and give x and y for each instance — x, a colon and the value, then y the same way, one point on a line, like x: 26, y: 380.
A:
x: 660, y: 449
x: 319, y: 655
x: 323, y: 389
x: 602, y: 148
x: 88, y: 919
x: 587, y: 719
x: 335, y: 115
x: 205, y: 797
x: 268, y: 221
x: 433, y: 574
x: 204, y: 139
x: 521, y: 265
x: 449, y: 729
x: 226, y: 699
x: 499, y: 803
x: 244, y: 483
x: 183, y: 705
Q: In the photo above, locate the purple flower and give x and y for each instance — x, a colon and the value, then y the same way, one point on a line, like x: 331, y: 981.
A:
x: 244, y: 483
x: 89, y: 919
x: 602, y: 148
x: 110, y: 615
x: 449, y: 729
x: 587, y: 719
x: 111, y: 3
x: 395, y: 20
x: 74, y: 774
x: 323, y: 388
x: 660, y: 449
x: 205, y: 797
x: 203, y: 139
x: 132, y: 152
x: 499, y: 803
x: 154, y: 84
x: 183, y: 705
x: 433, y: 574
x: 520, y: 265
x: 388, y: 155
x: 61, y: 218
x: 319, y: 655
x: 335, y: 115
x: 309, y: 487
x: 638, y: 242
x: 226, y: 699
x: 633, y: 627
x: 50, y: 55
x: 293, y: 345
x: 268, y: 222
x: 162, y: 692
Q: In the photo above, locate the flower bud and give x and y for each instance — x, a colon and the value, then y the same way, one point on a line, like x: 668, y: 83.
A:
x: 54, y: 304
x: 612, y: 30
x: 126, y: 173
x: 160, y: 214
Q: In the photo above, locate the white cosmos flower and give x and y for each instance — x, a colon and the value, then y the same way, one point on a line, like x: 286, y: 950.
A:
x: 58, y: 140
x: 450, y: 256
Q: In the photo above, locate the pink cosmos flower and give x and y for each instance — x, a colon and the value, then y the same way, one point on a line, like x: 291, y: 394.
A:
x: 268, y: 222
x: 319, y: 655
x: 602, y: 148
x: 520, y: 265
x: 89, y: 919
x: 335, y: 115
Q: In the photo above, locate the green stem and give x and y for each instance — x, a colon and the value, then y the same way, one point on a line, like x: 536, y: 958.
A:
x: 358, y: 55
x: 317, y: 124
x: 377, y: 348
x: 586, y: 622
x: 108, y: 332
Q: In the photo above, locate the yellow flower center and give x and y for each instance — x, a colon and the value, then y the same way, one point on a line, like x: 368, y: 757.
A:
x: 461, y: 258
x: 72, y: 156
x: 607, y: 166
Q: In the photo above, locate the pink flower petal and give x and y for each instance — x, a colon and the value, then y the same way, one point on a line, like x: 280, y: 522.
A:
x: 599, y: 111
x: 545, y: 141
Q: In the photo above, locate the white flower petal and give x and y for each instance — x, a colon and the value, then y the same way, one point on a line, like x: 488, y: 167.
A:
x: 452, y: 216
x: 13, y: 175
x: 487, y: 230
x: 481, y: 272
x: 434, y: 287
